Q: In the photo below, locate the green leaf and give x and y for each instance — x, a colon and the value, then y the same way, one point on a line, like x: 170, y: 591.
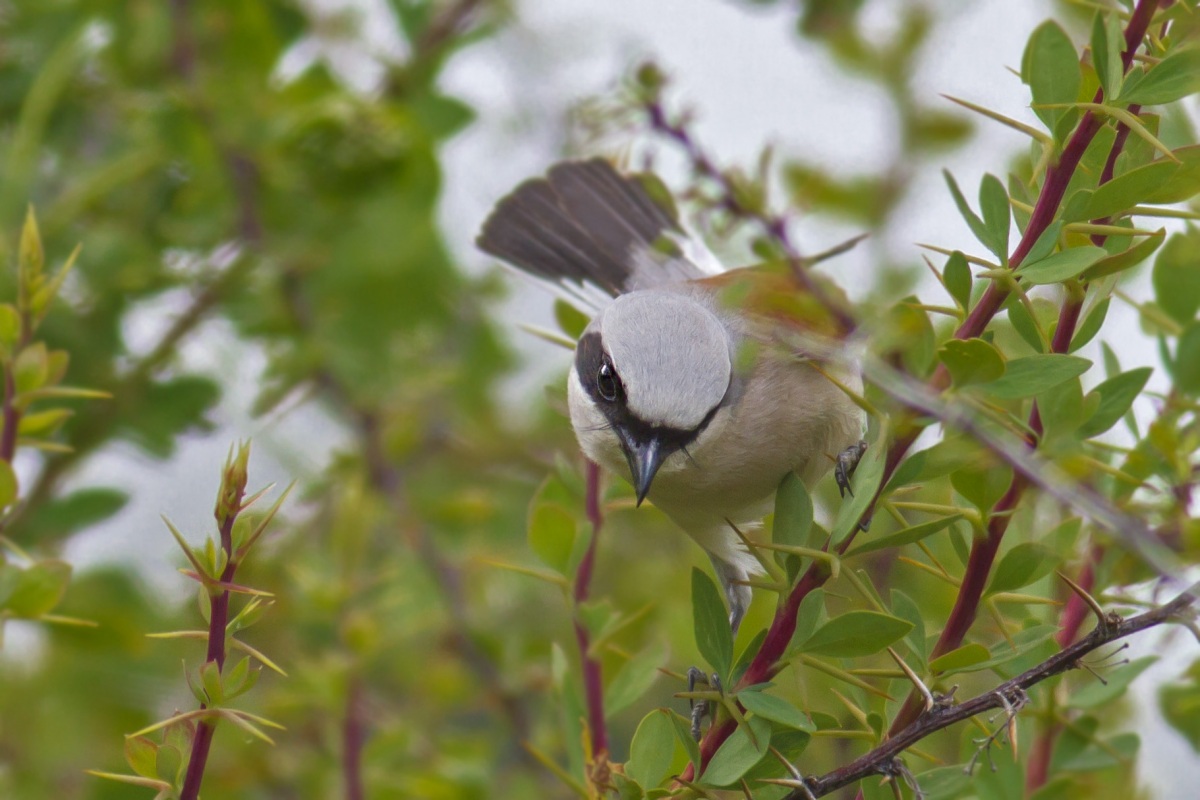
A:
x: 634, y: 678
x: 1130, y: 257
x: 38, y: 589
x: 810, y: 614
x: 1180, y: 705
x: 552, y: 532
x: 906, y: 608
x: 913, y: 533
x: 1050, y: 67
x: 966, y: 656
x: 1176, y: 276
x: 856, y: 633
x: 1107, y: 41
x: 863, y: 484
x: 167, y: 763
x: 993, y: 203
x: 1091, y: 325
x: 570, y: 319
x: 1031, y: 375
x: 793, y: 520
x: 1116, y: 396
x: 1021, y: 566
x: 958, y: 278
x: 741, y: 751
x: 1128, y: 190
x: 1115, y: 683
x: 141, y: 754
x: 652, y: 750
x: 776, y: 709
x: 714, y: 638
x: 683, y: 734
x: 1173, y: 78
x: 1060, y: 266
x: 977, y: 226
x: 1045, y: 243
x: 1186, y: 367
x: 982, y: 484
x: 1185, y: 183
x: 43, y: 422
x: 945, y: 783
x: 971, y: 361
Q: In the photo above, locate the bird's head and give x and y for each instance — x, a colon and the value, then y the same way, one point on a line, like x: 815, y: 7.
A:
x: 650, y: 372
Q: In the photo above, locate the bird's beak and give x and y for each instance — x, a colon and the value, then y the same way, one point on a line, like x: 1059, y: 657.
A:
x: 644, y: 457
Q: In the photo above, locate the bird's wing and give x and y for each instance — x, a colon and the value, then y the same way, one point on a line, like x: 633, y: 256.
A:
x: 585, y: 223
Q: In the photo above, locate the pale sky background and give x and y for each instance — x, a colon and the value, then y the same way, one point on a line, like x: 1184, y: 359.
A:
x: 752, y: 81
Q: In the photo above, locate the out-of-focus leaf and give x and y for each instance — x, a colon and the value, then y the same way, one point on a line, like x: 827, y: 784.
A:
x: 1176, y: 276
x: 1180, y: 705
x: 141, y: 754
x: 793, y: 520
x: 38, y: 589
x: 1115, y: 683
x: 1185, y: 183
x: 552, y: 531
x: 856, y: 633
x: 1116, y: 396
x: 1187, y: 360
x: 633, y: 679
x: 971, y: 361
x: 1031, y: 375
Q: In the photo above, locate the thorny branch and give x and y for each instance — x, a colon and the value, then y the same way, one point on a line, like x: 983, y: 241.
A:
x: 878, y: 761
x: 1054, y: 187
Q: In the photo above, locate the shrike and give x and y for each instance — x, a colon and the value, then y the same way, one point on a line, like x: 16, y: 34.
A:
x: 681, y: 384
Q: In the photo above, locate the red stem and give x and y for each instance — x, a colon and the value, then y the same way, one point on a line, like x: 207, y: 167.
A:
x: 593, y: 685
x: 984, y: 551
x: 218, y: 620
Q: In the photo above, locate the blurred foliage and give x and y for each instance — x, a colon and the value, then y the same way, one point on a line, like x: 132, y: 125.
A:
x: 422, y: 586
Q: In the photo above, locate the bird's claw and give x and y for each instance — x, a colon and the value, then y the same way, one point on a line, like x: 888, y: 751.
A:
x: 847, y: 461
x: 699, y: 708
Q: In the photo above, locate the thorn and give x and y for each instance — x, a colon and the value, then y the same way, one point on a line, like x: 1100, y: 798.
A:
x: 916, y: 681
x: 1102, y: 621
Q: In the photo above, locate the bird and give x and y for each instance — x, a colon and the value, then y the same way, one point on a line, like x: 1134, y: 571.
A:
x: 683, y: 383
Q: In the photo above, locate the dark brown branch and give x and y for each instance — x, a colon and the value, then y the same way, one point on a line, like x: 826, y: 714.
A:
x: 879, y: 761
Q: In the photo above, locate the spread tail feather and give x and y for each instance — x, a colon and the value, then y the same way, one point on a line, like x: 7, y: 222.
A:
x: 584, y: 222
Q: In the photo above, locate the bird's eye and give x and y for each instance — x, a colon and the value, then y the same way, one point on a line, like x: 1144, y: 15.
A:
x: 606, y: 381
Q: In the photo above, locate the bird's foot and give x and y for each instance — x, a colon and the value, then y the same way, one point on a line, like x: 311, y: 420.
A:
x: 700, y: 708
x: 847, y: 461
